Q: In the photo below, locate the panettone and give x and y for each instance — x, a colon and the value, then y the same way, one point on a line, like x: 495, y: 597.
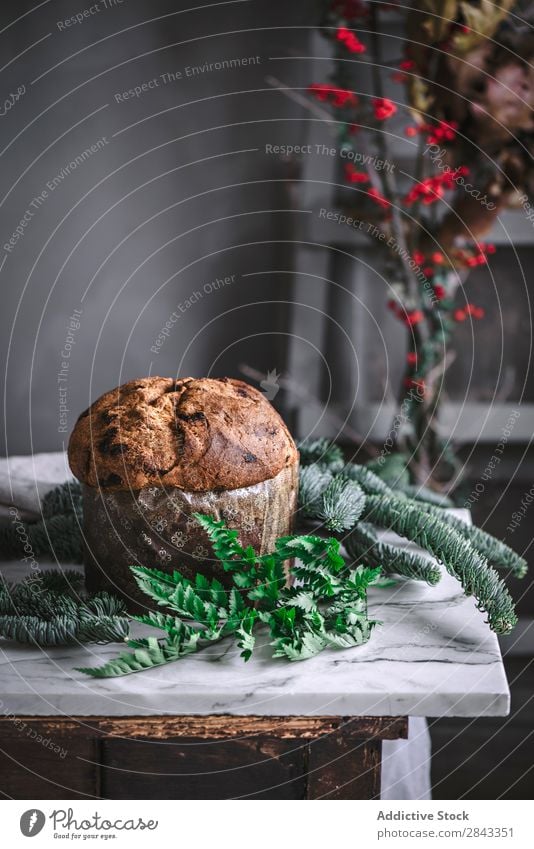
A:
x: 154, y: 451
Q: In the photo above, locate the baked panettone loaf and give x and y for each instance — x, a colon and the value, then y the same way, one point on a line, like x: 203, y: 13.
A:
x: 196, y: 434
x: 154, y: 451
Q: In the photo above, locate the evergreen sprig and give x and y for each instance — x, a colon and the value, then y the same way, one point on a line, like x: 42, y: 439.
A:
x: 50, y: 609
x: 456, y: 553
x: 322, y: 451
x: 328, y: 608
x: 56, y: 535
x: 494, y: 550
x: 363, y: 544
x: 313, y: 480
x: 428, y: 496
x: 341, y: 504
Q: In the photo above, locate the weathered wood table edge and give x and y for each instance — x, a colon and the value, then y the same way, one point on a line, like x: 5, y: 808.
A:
x: 285, y: 757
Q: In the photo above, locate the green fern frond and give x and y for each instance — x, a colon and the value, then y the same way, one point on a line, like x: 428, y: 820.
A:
x: 147, y: 654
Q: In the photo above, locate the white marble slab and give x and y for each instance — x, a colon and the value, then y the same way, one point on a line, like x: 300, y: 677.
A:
x: 433, y: 655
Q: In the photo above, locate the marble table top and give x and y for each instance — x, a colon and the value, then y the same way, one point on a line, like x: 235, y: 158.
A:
x: 433, y: 655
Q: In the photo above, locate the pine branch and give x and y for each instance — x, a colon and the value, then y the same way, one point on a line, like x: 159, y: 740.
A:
x: 313, y: 481
x: 392, y: 469
x: 322, y: 451
x: 63, y: 499
x: 496, y: 552
x: 336, y: 501
x: 480, y: 545
x: 450, y: 548
x: 56, y: 537
x: 49, y: 610
x: 427, y: 496
x: 341, y: 504
x: 368, y: 480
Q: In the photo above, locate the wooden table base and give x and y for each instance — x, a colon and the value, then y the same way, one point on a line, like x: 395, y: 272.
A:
x: 194, y: 757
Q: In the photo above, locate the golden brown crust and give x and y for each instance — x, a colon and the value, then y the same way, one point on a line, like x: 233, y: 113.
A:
x: 197, y: 434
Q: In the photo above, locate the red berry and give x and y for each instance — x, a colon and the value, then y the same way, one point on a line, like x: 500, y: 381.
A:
x: 414, y: 317
x: 384, y: 108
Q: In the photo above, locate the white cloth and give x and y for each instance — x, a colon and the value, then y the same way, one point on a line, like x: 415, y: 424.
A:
x: 25, y: 480
x: 406, y: 764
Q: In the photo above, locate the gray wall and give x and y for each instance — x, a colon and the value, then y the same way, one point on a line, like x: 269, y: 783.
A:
x: 183, y: 195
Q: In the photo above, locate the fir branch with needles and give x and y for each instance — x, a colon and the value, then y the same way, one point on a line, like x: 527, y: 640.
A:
x: 457, y: 554
x: 364, y: 546
x: 321, y: 451
x: 56, y: 535
x: 327, y: 609
x: 466, y: 552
